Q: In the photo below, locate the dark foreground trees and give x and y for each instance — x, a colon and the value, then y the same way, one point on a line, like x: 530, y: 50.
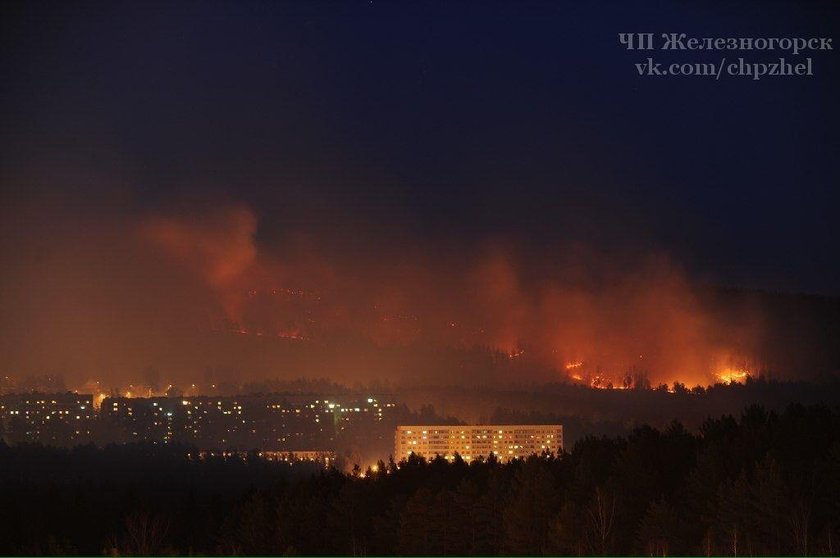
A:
x: 763, y: 483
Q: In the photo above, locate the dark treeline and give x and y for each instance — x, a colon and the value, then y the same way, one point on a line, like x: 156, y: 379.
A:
x: 616, y: 412
x: 763, y: 483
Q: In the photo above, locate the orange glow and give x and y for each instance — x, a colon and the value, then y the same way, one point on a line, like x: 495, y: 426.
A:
x: 732, y: 376
x: 371, y: 319
x: 97, y: 401
x: 600, y: 383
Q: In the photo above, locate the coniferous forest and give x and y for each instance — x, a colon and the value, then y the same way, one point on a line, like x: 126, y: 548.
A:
x: 760, y: 483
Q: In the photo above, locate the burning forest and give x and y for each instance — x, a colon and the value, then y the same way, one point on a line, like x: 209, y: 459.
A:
x: 211, y: 295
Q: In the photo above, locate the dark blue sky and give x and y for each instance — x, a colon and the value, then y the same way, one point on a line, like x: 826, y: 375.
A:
x: 377, y: 127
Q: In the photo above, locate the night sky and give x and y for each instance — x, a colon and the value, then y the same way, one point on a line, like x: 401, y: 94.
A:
x: 440, y: 123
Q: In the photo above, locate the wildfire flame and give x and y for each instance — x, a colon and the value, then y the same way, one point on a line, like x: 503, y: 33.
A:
x: 97, y: 401
x: 732, y: 376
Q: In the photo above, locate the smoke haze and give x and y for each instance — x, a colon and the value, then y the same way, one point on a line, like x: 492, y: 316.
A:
x: 184, y: 290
